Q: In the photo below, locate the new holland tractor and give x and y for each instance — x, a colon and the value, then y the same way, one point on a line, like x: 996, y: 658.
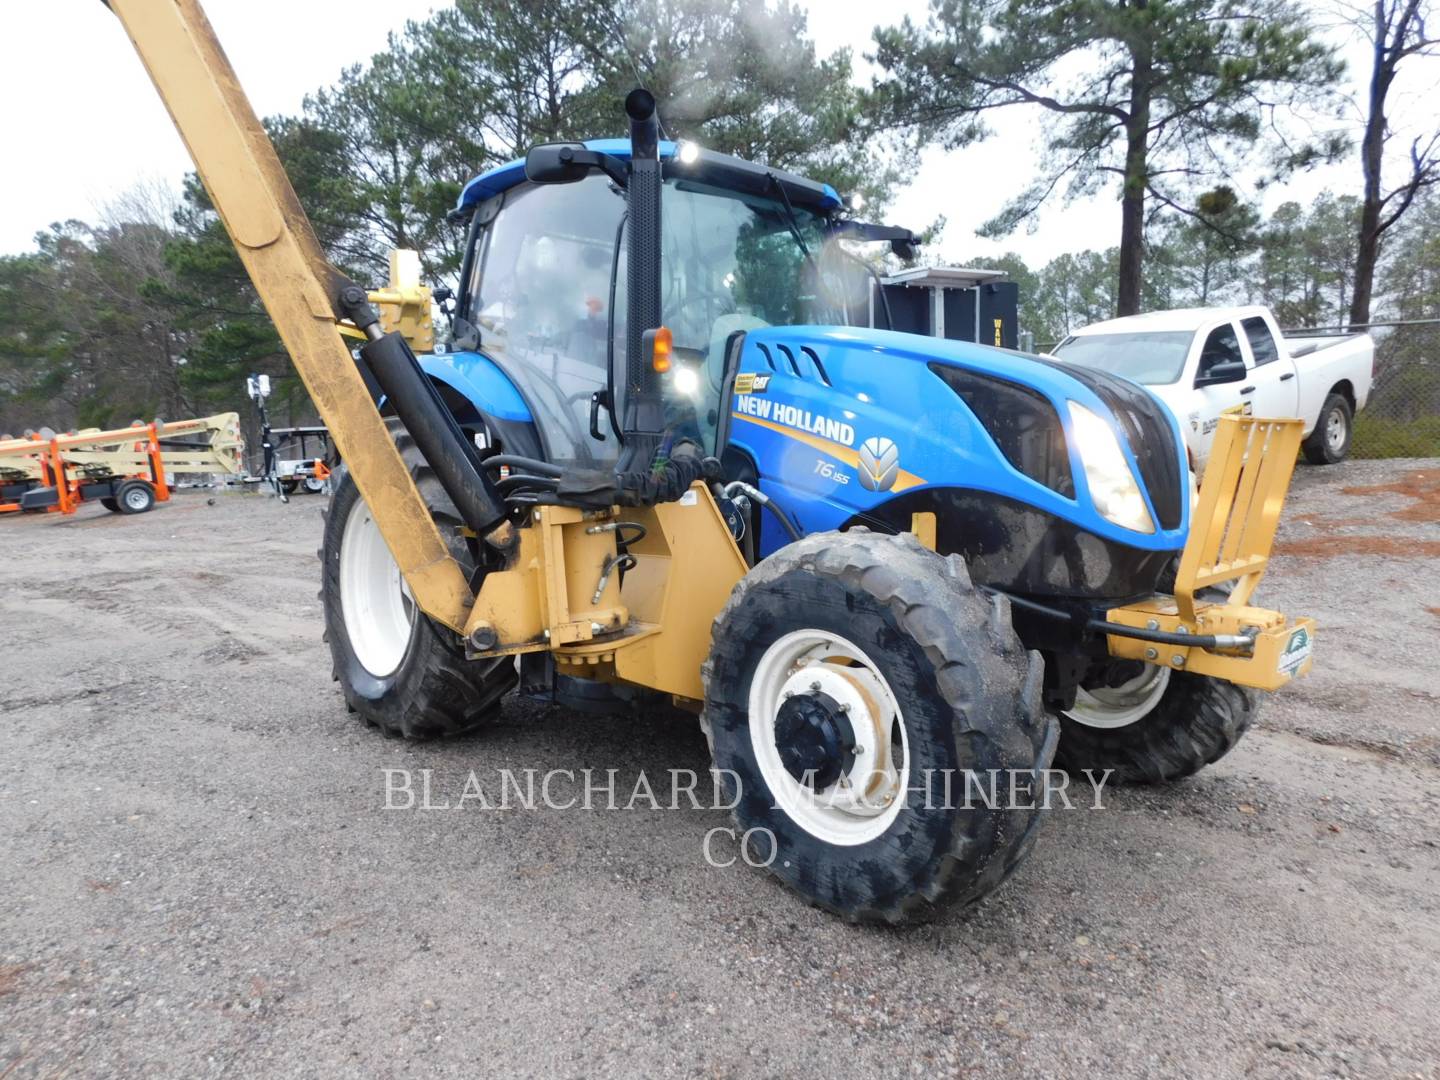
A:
x: 665, y: 458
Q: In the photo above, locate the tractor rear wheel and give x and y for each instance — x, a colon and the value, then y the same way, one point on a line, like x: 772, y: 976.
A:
x: 1154, y: 725
x: 855, y: 681
x: 401, y: 672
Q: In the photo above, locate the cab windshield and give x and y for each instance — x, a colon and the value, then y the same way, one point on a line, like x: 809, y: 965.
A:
x: 548, y: 295
x: 730, y: 262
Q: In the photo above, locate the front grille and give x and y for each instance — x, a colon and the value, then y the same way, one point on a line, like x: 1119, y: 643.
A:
x: 1151, y: 438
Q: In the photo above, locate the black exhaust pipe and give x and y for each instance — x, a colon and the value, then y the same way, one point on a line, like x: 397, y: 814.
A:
x: 643, y: 419
x: 438, y: 438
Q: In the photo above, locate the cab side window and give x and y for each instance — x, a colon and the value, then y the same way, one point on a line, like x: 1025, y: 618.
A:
x: 1221, y: 347
x: 1262, y: 342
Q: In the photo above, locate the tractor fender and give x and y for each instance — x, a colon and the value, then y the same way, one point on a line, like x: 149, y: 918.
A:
x: 474, y: 388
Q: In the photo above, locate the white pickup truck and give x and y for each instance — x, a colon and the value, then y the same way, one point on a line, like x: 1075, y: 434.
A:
x: 1205, y: 362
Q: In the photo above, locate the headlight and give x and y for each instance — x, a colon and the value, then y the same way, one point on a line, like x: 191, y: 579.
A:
x: 1112, y: 484
x: 687, y: 380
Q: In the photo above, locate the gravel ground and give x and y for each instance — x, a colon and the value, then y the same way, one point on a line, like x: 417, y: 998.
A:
x: 198, y: 875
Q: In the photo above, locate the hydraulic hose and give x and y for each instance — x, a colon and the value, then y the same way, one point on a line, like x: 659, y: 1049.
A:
x: 1160, y: 637
x: 756, y: 495
x: 525, y: 464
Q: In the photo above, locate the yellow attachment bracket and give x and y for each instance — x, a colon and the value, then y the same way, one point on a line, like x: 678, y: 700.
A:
x: 644, y: 621
x: 1241, y: 496
x: 404, y: 305
x: 1231, y: 532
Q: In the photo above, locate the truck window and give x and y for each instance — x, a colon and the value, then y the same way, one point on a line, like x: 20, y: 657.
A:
x: 1262, y: 342
x: 1155, y: 358
x: 1221, y: 347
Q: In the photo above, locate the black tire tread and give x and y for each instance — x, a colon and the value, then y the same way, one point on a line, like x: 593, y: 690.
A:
x: 958, y: 628
x: 452, y: 696
x: 1316, y: 449
x: 1196, y: 723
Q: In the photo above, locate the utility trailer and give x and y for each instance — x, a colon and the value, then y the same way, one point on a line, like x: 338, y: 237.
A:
x: 127, y: 470
x: 309, y: 473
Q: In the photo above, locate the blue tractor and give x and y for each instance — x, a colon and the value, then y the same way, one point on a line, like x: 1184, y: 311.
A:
x: 932, y: 531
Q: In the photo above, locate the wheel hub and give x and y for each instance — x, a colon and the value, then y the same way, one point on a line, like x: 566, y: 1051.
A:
x: 815, y: 739
x: 828, y: 736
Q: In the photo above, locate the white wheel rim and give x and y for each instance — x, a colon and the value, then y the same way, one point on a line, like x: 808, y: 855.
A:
x: 1120, y: 706
x: 374, y: 598
x: 1335, y: 429
x: 137, y: 498
x: 863, y: 803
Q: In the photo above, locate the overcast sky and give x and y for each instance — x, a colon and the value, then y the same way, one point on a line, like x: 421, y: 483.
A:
x: 84, y: 124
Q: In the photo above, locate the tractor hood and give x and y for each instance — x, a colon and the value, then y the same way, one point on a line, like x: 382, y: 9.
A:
x: 928, y: 412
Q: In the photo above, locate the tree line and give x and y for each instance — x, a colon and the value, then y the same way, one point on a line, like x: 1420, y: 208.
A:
x: 147, y: 311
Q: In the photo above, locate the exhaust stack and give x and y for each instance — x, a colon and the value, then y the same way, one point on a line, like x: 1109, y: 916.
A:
x: 643, y: 416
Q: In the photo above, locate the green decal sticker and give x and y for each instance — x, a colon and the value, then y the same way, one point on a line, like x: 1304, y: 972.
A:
x: 1297, y: 651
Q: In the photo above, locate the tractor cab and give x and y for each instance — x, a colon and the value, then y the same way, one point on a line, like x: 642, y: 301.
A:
x: 545, y: 279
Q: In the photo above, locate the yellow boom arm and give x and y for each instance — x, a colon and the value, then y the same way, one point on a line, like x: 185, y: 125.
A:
x: 245, y: 180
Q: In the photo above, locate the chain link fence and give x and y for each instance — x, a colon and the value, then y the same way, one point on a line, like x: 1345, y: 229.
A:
x: 1402, y: 418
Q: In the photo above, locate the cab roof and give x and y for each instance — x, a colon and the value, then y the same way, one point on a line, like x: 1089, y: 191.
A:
x: 722, y: 170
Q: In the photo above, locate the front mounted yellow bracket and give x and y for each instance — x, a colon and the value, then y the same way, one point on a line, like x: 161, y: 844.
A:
x: 1231, y: 533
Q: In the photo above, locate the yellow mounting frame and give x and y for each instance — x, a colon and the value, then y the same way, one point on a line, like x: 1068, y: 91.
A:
x: 1231, y: 533
x: 653, y: 631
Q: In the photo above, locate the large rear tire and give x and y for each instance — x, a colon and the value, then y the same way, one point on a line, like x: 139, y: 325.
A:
x: 401, y: 672
x: 849, y: 675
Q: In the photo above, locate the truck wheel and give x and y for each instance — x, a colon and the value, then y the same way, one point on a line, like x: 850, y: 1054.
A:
x: 1154, y: 724
x: 108, y: 501
x: 1329, y: 443
x: 398, y: 670
x: 850, y: 675
x: 134, y: 497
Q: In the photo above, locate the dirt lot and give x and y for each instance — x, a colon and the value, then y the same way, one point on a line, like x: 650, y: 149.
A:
x: 198, y: 875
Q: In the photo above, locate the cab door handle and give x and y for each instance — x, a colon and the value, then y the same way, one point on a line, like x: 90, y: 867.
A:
x: 1287, y: 376
x: 1248, y: 390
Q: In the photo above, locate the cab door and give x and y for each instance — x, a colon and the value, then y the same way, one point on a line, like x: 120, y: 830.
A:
x: 1272, y: 375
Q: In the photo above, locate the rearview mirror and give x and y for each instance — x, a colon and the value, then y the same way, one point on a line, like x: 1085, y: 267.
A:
x: 567, y: 162
x: 1226, y: 371
x: 558, y: 163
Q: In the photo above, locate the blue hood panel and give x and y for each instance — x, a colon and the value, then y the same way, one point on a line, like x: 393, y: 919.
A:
x: 818, y: 394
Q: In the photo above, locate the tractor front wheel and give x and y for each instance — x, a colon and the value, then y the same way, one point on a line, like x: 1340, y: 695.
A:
x: 1149, y: 724
x: 401, y: 672
x: 868, y: 710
